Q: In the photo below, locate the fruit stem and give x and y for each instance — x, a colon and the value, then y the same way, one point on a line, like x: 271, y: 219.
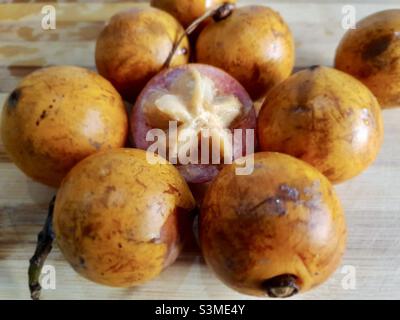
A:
x: 218, y: 14
x: 282, y: 286
x: 43, y: 247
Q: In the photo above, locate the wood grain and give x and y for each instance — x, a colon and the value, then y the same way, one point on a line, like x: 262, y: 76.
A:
x: 371, y: 201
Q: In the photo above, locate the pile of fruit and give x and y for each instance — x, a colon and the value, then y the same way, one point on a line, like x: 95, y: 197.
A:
x: 120, y: 219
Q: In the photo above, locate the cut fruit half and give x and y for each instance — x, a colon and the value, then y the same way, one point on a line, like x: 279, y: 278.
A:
x: 198, y: 108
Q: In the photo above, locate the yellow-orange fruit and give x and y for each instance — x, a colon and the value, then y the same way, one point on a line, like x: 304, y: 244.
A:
x: 120, y: 220
x: 253, y: 44
x: 371, y: 53
x: 59, y: 115
x: 326, y: 118
x: 134, y: 47
x: 186, y: 11
x: 276, y: 232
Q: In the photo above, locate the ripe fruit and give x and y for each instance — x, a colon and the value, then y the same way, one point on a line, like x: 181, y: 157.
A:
x: 276, y: 232
x: 186, y: 11
x: 253, y: 44
x: 326, y: 118
x: 59, y: 115
x: 196, y: 97
x: 120, y: 220
x: 134, y: 47
x: 371, y: 53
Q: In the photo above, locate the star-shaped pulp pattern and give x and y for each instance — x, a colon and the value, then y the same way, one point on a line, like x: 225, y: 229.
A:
x: 199, y: 110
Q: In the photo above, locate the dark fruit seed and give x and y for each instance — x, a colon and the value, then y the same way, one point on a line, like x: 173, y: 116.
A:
x: 282, y: 286
x: 14, y: 98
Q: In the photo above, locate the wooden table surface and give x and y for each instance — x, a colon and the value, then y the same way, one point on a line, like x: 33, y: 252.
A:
x: 371, y: 201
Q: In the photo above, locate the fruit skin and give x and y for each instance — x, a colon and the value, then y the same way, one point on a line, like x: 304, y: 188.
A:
x: 326, y: 118
x: 134, y: 47
x: 59, y: 115
x: 186, y: 11
x: 194, y: 173
x: 253, y: 44
x: 371, y: 53
x: 119, y: 220
x: 284, y: 218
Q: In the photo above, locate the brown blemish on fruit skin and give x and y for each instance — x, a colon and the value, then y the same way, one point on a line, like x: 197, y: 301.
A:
x: 48, y: 129
x: 371, y: 53
x: 247, y: 249
x: 246, y: 46
x: 325, y: 118
x: 171, y: 190
x: 377, y: 46
x: 126, y: 232
x: 89, y: 230
x: 42, y: 116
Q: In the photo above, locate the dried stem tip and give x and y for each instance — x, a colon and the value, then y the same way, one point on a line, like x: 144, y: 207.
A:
x: 218, y: 14
x: 223, y: 11
x: 43, y: 248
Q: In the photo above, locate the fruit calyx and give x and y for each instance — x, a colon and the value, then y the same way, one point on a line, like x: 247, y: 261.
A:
x: 199, y: 109
x: 282, y: 286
